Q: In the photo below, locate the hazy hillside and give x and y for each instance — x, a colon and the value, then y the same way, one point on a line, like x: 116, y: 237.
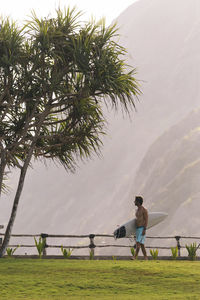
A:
x: 163, y: 42
x: 169, y: 177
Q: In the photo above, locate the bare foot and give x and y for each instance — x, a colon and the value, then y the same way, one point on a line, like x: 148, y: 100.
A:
x: 132, y: 257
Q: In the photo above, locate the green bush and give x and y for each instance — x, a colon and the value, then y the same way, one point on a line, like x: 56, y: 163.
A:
x: 174, y: 252
x: 91, y: 254
x: 154, y: 253
x: 133, y: 251
x: 40, y: 245
x: 192, y: 249
x: 10, y: 251
x: 66, y: 252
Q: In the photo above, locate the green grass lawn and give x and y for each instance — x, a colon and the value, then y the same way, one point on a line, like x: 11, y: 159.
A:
x: 79, y: 279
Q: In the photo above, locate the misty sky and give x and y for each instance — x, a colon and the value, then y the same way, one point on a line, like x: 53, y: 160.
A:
x: 110, y: 9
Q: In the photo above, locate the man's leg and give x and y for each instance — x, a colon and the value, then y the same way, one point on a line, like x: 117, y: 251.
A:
x: 137, y: 249
x: 144, y: 251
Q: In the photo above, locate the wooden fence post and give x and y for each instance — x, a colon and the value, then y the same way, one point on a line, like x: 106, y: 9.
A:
x: 44, y: 239
x: 92, y: 245
x: 178, y: 244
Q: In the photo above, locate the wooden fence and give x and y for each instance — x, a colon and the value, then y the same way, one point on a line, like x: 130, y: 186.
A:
x: 91, y: 239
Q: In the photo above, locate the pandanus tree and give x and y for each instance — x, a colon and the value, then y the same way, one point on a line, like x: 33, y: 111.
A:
x: 55, y: 74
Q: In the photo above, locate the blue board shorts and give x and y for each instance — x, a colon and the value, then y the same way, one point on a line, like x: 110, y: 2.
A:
x: 139, y: 237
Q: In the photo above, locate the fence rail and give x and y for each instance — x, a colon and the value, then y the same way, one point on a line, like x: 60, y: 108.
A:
x: 92, y: 244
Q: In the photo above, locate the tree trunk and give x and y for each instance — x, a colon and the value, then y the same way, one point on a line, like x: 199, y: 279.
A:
x: 16, y: 201
x: 2, y: 168
x: 21, y: 184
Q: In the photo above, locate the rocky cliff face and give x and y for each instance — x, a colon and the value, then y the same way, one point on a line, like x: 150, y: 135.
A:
x: 163, y: 42
x: 169, y: 176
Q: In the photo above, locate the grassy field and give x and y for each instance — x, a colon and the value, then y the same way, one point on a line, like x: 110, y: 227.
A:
x: 74, y: 279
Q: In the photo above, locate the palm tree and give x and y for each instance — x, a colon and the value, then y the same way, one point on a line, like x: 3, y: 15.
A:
x: 55, y: 74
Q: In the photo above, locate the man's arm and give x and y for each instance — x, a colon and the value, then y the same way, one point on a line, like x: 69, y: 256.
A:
x: 145, y: 213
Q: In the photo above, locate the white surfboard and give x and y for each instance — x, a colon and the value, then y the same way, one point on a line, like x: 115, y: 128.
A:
x: 129, y: 228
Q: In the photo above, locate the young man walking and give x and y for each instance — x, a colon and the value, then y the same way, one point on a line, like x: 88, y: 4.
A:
x: 141, y: 225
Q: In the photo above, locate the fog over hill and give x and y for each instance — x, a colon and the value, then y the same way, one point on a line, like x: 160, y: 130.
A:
x: 169, y: 177
x: 163, y: 42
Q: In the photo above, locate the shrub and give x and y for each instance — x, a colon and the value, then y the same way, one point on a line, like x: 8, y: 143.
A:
x: 91, y: 254
x: 192, y: 249
x: 174, y: 252
x: 133, y: 251
x: 154, y: 253
x: 10, y: 251
x: 66, y: 252
x: 40, y: 245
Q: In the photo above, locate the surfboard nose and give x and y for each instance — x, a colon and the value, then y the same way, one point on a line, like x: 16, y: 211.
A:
x: 157, y: 217
x: 164, y: 215
x: 159, y: 214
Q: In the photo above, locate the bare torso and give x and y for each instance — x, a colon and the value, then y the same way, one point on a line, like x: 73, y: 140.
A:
x: 141, y: 217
